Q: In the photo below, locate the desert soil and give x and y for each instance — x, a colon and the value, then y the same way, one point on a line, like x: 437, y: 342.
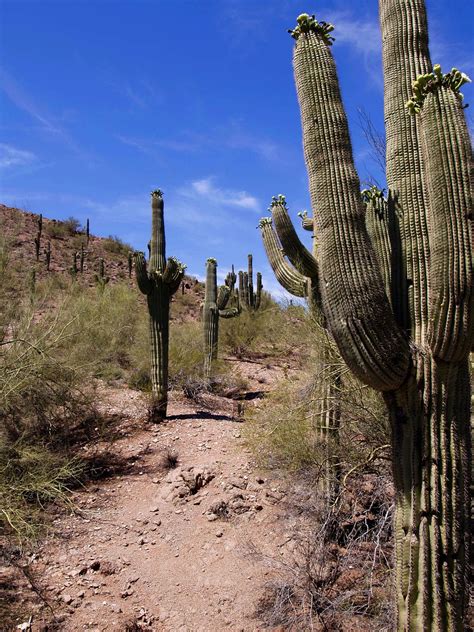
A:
x: 165, y: 549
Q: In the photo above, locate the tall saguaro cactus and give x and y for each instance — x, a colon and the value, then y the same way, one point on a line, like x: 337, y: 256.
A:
x: 159, y: 282
x: 215, y: 307
x: 249, y: 298
x: 413, y: 344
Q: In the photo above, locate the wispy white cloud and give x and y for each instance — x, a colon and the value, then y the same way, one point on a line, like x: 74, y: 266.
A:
x: 231, y: 136
x: 363, y: 35
x: 25, y: 102
x: 225, y: 197
x: 140, y: 93
x: 13, y: 157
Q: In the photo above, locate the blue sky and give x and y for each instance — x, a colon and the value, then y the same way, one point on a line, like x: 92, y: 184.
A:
x: 102, y: 101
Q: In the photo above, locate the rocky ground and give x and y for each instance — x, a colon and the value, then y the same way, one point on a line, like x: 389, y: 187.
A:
x: 168, y: 541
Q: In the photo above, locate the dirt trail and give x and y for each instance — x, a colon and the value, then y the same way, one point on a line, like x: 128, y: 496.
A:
x: 167, y: 549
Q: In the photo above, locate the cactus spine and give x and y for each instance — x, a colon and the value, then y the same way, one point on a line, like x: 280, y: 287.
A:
x: 247, y: 297
x: 159, y: 282
x: 38, y: 237
x: 413, y: 344
x: 215, y: 307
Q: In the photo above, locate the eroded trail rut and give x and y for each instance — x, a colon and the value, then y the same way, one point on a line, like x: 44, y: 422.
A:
x: 167, y: 549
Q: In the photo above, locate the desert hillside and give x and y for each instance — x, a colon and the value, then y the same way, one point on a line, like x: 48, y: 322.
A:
x: 218, y: 517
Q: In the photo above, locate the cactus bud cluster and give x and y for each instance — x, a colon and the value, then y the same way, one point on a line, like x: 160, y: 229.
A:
x: 432, y: 81
x: 308, y: 24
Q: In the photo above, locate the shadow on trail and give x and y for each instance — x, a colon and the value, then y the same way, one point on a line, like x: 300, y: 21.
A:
x: 202, y: 414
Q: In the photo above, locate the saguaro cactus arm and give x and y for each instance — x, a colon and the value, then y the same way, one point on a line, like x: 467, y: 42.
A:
x: 306, y: 222
x: 141, y: 274
x: 296, y: 252
x: 449, y: 178
x: 230, y: 312
x: 405, y: 56
x: 380, y: 226
x: 223, y: 296
x: 289, y: 278
x: 157, y: 261
x: 355, y: 304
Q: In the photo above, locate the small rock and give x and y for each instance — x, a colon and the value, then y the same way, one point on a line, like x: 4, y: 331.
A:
x: 211, y: 517
x: 219, y: 534
x: 67, y: 599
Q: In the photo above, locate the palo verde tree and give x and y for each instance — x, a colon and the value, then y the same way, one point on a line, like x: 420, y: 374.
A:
x: 412, y: 343
x: 159, y: 282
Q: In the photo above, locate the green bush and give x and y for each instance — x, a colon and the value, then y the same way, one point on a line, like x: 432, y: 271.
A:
x: 116, y: 245
x: 60, y: 229
x: 273, y: 329
x: 285, y: 430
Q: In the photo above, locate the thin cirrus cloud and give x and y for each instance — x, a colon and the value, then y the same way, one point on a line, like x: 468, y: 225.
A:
x: 23, y: 101
x: 13, y: 157
x: 232, y: 137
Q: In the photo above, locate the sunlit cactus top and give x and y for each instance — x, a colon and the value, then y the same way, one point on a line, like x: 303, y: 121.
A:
x: 308, y: 24
x: 265, y: 221
x: 372, y: 193
x: 211, y: 260
x: 278, y: 200
x: 157, y: 193
x: 431, y: 82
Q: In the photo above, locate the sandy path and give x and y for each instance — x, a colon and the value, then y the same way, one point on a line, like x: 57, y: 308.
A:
x: 166, y: 549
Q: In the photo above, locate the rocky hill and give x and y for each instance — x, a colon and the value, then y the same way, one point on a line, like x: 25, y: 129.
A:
x: 66, y: 239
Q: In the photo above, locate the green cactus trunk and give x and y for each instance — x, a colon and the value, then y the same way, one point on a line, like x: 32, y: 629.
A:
x: 413, y: 346
x: 158, y: 301
x: 214, y: 308
x: 210, y: 317
x: 431, y: 445
x: 159, y: 283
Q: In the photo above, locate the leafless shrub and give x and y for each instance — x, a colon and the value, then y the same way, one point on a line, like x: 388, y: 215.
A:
x: 169, y: 460
x: 335, y: 564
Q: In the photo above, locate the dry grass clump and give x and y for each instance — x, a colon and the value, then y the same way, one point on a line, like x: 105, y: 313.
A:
x: 285, y: 430
x: 333, y: 573
x: 336, y: 573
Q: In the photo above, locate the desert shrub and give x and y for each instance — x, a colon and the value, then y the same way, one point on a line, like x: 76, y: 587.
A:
x: 116, y: 245
x: 109, y: 329
x: 285, y: 429
x: 60, y: 229
x: 273, y: 329
x: 321, y: 583
x: 43, y: 411
x: 71, y: 225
